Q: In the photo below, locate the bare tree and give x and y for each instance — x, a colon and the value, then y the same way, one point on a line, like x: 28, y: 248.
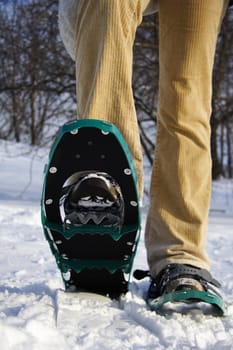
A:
x: 145, y: 82
x: 37, y: 78
x: 222, y: 106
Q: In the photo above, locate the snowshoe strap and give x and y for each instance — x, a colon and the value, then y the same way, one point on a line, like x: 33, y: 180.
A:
x: 177, y: 271
x: 174, y: 271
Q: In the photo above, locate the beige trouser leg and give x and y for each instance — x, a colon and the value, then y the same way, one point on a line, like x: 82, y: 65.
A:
x: 105, y: 32
x: 104, y: 40
x: 181, y: 179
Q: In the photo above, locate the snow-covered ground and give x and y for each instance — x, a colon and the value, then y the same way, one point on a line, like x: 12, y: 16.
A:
x: 36, y: 314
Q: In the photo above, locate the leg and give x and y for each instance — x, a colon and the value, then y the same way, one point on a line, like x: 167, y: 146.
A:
x: 181, y: 179
x: 102, y: 45
x: 104, y: 40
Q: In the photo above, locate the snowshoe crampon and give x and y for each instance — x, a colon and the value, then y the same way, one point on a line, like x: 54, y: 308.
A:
x: 90, y: 209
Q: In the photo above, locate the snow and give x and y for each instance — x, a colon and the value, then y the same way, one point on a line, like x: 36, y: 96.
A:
x: 35, y: 313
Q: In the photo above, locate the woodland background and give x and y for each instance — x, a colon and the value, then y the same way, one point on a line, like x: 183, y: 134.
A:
x: 37, y: 80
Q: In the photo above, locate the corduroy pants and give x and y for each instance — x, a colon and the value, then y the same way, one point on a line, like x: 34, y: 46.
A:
x: 181, y: 178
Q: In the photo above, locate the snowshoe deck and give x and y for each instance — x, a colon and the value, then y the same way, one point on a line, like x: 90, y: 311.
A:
x: 91, y: 253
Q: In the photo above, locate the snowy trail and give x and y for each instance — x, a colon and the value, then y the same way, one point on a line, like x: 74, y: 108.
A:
x: 36, y: 314
x: 90, y: 324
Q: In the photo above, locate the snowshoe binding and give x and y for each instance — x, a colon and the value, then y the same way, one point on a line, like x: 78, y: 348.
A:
x: 92, y: 198
x: 182, y: 284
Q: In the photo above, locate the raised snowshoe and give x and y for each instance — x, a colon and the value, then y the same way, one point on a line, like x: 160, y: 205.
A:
x: 90, y: 209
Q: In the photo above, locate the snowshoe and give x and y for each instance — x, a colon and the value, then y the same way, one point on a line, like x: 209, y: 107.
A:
x: 183, y: 284
x: 90, y: 209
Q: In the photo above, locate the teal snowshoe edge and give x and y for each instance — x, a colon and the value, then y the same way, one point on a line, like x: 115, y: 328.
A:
x: 188, y: 296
